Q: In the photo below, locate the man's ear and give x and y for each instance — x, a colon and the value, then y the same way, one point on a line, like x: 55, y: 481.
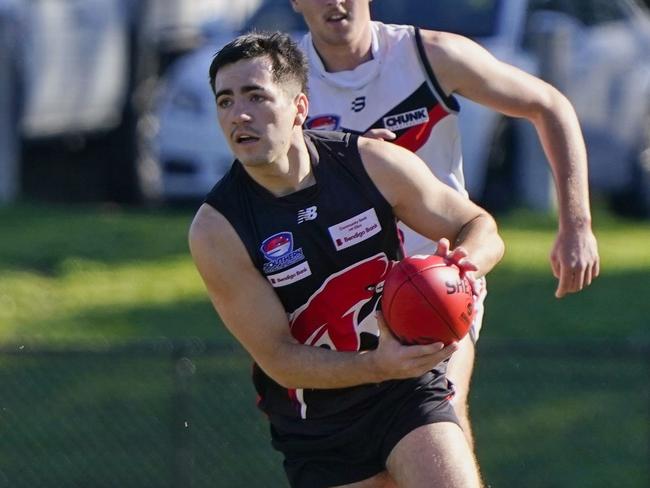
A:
x: 302, y: 109
x: 295, y: 6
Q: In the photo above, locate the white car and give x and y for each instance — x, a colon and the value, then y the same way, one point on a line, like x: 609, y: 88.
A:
x: 79, y: 74
x: 595, y: 51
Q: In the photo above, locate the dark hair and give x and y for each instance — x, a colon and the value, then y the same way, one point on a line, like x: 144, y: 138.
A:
x: 288, y: 63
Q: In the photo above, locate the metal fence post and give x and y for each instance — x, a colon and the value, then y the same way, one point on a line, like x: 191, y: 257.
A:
x: 181, y: 409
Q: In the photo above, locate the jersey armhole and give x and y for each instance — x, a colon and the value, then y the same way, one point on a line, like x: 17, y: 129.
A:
x: 450, y: 101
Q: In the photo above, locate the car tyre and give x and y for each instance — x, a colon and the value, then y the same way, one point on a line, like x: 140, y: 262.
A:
x: 499, y: 193
x: 641, y: 188
x: 634, y: 200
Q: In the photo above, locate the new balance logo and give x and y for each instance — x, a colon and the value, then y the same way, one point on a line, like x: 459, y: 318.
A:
x: 309, y: 213
x: 358, y: 104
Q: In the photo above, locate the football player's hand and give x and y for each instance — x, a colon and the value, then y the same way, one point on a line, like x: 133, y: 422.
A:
x: 460, y: 259
x: 574, y: 260
x: 395, y: 360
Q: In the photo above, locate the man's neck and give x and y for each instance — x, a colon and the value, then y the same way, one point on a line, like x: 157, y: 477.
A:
x: 345, y: 56
x: 288, y: 174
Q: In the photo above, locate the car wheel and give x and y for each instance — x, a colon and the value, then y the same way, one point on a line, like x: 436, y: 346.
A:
x: 643, y: 169
x: 134, y: 176
x: 634, y: 200
x: 500, y: 190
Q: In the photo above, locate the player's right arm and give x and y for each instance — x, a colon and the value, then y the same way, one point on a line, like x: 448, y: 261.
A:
x: 252, y: 312
x: 466, y: 68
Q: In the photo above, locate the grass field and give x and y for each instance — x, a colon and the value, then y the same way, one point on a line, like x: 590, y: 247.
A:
x: 71, y: 274
x: 560, y: 397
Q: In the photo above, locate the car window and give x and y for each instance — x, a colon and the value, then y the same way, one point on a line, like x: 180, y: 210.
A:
x: 275, y: 15
x: 568, y: 7
x: 588, y: 12
x: 601, y: 11
x: 472, y: 18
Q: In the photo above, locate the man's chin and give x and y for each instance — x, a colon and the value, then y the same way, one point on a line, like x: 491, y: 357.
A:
x: 252, y: 161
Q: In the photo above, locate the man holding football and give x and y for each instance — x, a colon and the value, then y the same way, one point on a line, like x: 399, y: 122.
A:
x: 294, y: 244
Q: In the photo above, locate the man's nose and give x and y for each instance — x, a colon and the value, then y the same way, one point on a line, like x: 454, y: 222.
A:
x: 241, y: 113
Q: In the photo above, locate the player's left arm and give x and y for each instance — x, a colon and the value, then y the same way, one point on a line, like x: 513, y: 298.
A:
x: 430, y: 207
x: 464, y: 67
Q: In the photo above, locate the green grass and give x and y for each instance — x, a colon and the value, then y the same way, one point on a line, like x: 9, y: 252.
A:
x: 545, y: 419
x: 521, y: 300
x: 99, y: 274
x: 88, y: 274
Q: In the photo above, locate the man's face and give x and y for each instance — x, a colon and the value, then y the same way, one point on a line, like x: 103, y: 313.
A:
x: 256, y: 114
x: 334, y: 21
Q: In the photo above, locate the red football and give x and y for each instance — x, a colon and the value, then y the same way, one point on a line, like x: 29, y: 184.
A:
x: 425, y: 300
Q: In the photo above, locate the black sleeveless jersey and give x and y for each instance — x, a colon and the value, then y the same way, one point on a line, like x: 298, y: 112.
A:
x: 326, y: 250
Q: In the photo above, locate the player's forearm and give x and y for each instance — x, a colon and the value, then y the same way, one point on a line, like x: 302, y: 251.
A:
x: 561, y: 137
x: 480, y: 238
x: 300, y: 366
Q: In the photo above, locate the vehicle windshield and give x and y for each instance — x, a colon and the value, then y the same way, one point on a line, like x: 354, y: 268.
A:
x: 471, y: 18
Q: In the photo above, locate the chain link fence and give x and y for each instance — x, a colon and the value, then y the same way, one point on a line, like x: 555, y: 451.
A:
x: 184, y: 415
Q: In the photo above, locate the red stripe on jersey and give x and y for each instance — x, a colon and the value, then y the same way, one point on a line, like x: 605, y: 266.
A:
x: 415, y: 137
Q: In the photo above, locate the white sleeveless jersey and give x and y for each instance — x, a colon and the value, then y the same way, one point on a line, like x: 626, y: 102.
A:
x: 396, y: 90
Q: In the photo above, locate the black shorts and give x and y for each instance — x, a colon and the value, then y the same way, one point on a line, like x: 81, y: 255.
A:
x: 358, y: 450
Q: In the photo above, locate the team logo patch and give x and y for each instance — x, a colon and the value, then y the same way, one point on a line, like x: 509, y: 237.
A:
x: 279, y: 253
x: 290, y: 275
x: 406, y: 119
x: 355, y: 230
x: 323, y: 122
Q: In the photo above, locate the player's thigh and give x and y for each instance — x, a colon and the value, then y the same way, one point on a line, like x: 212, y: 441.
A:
x: 433, y: 455
x: 460, y: 368
x: 381, y: 480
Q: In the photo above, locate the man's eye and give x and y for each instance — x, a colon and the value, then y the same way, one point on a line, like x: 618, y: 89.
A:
x: 257, y: 98
x: 224, y: 103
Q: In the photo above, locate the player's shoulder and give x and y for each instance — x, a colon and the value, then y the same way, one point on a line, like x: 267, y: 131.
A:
x: 210, y: 230
x: 381, y: 157
x: 380, y: 149
x: 442, y: 47
x: 208, y: 224
x: 452, y: 56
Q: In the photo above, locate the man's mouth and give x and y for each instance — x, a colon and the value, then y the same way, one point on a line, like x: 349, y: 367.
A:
x: 337, y: 17
x: 245, y: 138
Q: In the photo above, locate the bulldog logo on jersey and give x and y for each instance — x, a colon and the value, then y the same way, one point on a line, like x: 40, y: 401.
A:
x: 342, y: 309
x: 323, y: 122
x: 279, y: 253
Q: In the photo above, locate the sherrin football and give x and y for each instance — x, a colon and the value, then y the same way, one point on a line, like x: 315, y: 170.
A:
x: 425, y: 300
